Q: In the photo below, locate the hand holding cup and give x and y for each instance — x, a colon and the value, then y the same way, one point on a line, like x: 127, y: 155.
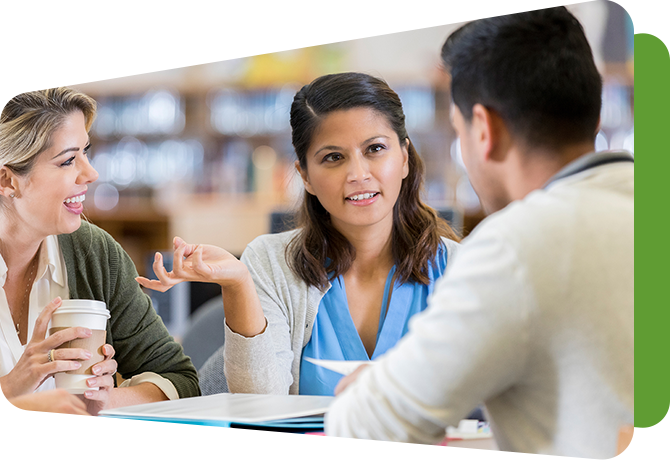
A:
x: 97, y: 398
x: 38, y: 362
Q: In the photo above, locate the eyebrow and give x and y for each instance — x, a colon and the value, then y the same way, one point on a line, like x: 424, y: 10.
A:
x: 335, y: 147
x: 71, y: 149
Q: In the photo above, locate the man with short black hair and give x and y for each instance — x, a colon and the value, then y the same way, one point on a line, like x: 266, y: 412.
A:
x: 535, y: 315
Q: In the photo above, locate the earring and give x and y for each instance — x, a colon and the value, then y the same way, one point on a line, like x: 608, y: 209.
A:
x: 12, y: 196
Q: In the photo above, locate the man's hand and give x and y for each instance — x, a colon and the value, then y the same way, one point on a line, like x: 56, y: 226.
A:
x: 30, y: 416
x: 349, y: 379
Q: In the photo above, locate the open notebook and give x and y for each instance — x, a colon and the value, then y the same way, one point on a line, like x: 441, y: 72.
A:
x: 191, y: 443
x: 270, y: 412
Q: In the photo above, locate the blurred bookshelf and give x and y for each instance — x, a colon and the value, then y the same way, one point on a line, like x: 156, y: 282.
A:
x: 223, y: 160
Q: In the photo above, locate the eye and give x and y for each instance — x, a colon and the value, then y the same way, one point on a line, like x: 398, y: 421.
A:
x: 375, y: 148
x: 86, y: 149
x: 332, y: 157
x: 68, y: 162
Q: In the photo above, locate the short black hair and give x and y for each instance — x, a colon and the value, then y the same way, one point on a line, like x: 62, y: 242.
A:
x: 534, y: 69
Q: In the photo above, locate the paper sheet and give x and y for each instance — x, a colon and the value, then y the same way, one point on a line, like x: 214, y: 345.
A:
x: 341, y: 367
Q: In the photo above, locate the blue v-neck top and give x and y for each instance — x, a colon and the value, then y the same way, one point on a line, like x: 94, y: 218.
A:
x: 334, y: 335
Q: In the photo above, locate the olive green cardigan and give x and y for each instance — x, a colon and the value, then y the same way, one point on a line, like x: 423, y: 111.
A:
x: 99, y: 269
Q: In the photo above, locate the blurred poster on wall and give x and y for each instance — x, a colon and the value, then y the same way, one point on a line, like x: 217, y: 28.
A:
x: 269, y: 42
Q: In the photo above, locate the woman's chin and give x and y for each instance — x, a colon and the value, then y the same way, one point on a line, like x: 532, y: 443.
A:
x: 72, y: 225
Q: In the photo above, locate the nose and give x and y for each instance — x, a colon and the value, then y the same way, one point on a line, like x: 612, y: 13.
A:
x: 359, y: 169
x: 87, y: 173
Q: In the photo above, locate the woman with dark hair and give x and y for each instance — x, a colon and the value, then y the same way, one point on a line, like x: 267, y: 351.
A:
x: 361, y: 263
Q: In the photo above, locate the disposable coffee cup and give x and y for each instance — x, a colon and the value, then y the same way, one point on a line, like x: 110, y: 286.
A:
x: 92, y: 314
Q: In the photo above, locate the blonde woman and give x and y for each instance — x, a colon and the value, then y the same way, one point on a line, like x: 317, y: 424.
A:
x: 47, y: 254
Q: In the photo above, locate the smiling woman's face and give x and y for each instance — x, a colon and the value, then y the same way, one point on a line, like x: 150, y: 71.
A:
x: 355, y: 167
x: 48, y: 199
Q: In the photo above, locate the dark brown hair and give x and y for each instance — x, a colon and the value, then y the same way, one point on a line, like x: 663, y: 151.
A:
x: 416, y: 227
x: 535, y: 69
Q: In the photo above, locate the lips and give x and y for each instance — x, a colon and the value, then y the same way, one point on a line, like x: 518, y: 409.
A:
x: 74, y: 203
x: 362, y: 198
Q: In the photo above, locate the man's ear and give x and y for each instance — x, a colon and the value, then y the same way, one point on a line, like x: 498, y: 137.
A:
x: 8, y: 182
x: 490, y: 132
x: 305, y: 178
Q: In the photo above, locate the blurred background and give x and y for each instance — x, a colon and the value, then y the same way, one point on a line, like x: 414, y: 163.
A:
x: 204, y: 152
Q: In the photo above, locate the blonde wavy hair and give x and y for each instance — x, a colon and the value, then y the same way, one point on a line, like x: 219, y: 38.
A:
x: 29, y: 120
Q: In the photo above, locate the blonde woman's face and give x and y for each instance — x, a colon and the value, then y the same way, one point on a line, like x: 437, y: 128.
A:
x: 355, y: 167
x: 49, y: 199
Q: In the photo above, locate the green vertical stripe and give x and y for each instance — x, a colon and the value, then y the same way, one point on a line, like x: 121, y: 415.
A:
x: 652, y: 242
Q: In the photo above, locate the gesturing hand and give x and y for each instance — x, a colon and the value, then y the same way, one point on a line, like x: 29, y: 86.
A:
x: 34, y: 366
x: 201, y: 262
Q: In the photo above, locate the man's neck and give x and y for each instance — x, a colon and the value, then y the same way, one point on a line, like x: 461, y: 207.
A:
x: 531, y: 169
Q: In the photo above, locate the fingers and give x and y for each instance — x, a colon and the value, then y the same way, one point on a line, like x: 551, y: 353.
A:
x: 66, y: 335
x: 178, y: 260
x: 60, y: 366
x: 65, y: 354
x: 43, y: 319
x: 159, y: 269
x: 198, y: 265
x: 154, y: 285
x: 99, y: 384
x: 108, y: 351
x: 188, y: 248
x: 107, y: 367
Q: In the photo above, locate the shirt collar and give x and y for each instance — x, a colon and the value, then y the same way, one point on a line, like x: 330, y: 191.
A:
x: 588, y: 161
x: 51, y: 257
x: 3, y: 271
x: 49, y: 263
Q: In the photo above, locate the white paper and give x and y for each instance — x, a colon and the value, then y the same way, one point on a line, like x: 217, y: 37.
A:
x: 341, y: 367
x: 185, y: 443
x: 241, y: 408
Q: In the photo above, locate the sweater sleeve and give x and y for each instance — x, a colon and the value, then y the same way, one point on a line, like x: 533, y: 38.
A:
x: 469, y: 344
x: 262, y: 364
x: 141, y: 341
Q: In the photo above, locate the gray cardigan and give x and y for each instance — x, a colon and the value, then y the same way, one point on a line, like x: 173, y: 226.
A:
x: 269, y: 363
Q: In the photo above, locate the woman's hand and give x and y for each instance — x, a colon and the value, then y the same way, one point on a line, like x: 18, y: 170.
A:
x: 211, y: 264
x: 196, y: 262
x: 97, y: 400
x: 34, y: 366
x: 51, y: 401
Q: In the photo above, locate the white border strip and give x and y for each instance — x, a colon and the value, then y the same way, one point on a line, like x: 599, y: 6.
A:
x: 652, y: 15
x: 652, y: 444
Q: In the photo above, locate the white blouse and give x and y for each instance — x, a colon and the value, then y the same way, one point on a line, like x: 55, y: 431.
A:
x: 50, y: 282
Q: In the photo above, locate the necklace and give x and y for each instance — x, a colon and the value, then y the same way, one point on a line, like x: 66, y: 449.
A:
x: 26, y: 296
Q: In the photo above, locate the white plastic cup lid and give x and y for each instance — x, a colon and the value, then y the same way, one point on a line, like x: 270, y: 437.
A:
x: 95, y: 307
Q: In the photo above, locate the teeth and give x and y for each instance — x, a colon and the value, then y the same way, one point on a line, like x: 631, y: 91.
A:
x: 76, y: 199
x: 362, y: 196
